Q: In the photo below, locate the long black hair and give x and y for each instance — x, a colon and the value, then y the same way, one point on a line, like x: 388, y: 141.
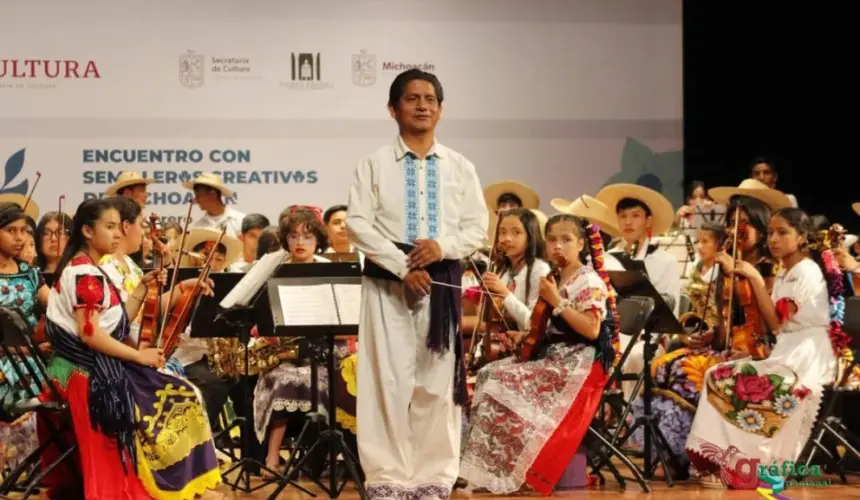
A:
x: 87, y: 214
x: 535, y: 246
x: 60, y: 218
x: 757, y: 212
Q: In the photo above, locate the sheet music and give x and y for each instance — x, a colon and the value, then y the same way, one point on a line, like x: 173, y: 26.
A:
x: 307, y: 305
x: 256, y: 277
x: 349, y: 302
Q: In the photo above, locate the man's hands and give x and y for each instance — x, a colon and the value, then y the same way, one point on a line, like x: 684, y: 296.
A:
x: 426, y: 252
x: 418, y: 281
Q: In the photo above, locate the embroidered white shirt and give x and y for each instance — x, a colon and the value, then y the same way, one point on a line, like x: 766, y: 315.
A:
x: 398, y: 197
x: 231, y: 217
x: 517, y: 304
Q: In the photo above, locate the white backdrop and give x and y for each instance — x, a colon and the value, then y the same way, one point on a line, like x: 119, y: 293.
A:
x: 565, y: 95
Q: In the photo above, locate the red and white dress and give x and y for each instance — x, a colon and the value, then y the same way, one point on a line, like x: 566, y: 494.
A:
x: 528, y: 419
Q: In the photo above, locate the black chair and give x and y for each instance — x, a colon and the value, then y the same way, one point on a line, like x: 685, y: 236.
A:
x: 16, y: 342
x: 830, y: 431
x: 634, y: 314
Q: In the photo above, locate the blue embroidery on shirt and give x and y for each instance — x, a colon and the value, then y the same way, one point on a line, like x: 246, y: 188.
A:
x: 411, y: 196
x: 431, y: 185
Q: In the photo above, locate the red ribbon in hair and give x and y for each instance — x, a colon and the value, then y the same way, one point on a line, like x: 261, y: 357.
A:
x: 317, y: 211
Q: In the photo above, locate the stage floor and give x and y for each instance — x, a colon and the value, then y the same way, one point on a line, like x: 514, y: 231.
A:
x: 659, y: 489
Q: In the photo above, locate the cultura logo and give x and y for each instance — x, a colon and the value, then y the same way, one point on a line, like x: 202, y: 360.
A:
x: 14, y: 166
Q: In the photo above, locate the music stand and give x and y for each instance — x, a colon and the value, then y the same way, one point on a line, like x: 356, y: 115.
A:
x: 236, y: 321
x: 319, y: 301
x: 662, y: 321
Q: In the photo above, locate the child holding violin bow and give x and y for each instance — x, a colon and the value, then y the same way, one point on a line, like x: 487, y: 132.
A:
x: 531, y: 411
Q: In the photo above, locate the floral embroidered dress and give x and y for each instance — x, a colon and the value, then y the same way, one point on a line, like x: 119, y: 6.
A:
x: 528, y: 419
x: 766, y: 409
x: 18, y: 437
x: 141, y: 433
x: 678, y: 375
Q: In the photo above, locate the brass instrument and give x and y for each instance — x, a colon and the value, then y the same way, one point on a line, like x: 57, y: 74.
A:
x: 227, y: 355
x: 704, y: 314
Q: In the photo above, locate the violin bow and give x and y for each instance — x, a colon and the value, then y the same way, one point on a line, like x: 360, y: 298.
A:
x: 32, y: 190
x: 728, y: 320
x: 176, y: 268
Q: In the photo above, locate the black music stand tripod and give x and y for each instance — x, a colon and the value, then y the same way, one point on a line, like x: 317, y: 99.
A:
x: 330, y: 277
x: 662, y: 321
x: 241, y: 320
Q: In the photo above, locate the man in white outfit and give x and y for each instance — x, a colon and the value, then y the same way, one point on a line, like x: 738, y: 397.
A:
x: 415, y: 209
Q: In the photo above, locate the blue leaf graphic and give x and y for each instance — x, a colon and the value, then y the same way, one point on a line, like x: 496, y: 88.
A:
x: 636, y: 158
x: 14, y: 165
x: 21, y: 188
x: 650, y: 181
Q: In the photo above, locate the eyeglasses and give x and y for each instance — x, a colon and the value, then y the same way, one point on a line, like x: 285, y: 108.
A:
x: 303, y: 237
x: 49, y: 234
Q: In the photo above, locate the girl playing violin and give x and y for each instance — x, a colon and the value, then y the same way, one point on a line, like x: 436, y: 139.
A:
x: 765, y: 409
x: 141, y: 433
x: 125, y: 274
x: 528, y: 418
x: 522, y: 267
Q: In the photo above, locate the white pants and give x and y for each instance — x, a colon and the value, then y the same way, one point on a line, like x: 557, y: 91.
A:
x: 408, y: 424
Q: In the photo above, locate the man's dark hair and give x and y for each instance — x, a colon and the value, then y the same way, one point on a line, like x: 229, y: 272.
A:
x: 331, y: 211
x: 767, y: 161
x: 509, y: 198
x: 398, y: 86
x: 628, y: 203
x: 254, y: 221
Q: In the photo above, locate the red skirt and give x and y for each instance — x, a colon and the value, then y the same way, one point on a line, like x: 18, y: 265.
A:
x: 557, y: 453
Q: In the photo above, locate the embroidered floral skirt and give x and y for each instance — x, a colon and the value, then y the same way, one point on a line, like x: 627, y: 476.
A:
x: 287, y: 389
x: 175, y: 453
x: 678, y: 378
x: 528, y: 419
x: 763, y: 411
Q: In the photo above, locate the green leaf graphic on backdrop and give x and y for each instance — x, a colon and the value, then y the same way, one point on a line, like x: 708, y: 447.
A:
x: 662, y: 172
x: 14, y: 165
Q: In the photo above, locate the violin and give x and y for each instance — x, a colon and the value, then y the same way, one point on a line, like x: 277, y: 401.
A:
x: 181, y: 314
x: 493, y: 347
x: 541, y: 314
x: 749, y: 334
x: 152, y: 304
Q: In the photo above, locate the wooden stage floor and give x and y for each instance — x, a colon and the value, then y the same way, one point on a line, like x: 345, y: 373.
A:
x: 680, y: 491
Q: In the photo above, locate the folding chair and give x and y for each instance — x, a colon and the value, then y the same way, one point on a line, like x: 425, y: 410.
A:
x: 15, y: 342
x: 634, y: 313
x: 830, y: 423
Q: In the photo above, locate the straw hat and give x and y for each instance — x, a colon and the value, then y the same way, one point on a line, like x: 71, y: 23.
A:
x: 754, y: 189
x: 200, y: 235
x: 662, y: 213
x: 856, y: 207
x: 212, y: 180
x: 850, y: 240
x: 525, y: 193
x: 125, y: 180
x: 590, y: 209
x: 32, y: 207
x: 542, y: 218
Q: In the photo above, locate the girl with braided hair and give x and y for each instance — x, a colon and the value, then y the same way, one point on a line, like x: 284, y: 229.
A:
x: 529, y: 418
